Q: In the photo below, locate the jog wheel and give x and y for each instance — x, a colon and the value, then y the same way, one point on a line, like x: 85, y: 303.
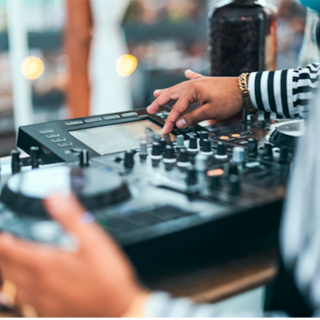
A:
x: 287, y: 134
x: 95, y: 189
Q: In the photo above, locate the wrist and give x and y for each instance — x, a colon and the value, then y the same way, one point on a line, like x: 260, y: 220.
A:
x: 235, y: 98
x: 136, y: 307
x: 243, y: 85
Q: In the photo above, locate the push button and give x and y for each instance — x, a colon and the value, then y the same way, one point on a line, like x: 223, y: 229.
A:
x: 58, y: 140
x: 115, y: 117
x: 128, y: 115
x: 251, y: 165
x: 236, y: 135
x: 91, y: 120
x: 46, y: 131
x: 73, y: 123
x: 65, y: 144
x: 53, y: 135
x: 76, y: 150
x: 224, y: 138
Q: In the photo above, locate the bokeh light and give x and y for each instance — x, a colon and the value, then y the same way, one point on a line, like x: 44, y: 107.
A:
x: 126, y: 65
x: 32, y: 68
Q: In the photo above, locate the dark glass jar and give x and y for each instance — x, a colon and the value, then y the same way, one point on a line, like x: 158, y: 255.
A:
x: 243, y: 37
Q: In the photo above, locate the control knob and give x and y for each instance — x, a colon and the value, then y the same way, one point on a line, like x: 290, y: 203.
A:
x: 156, y: 138
x: 84, y: 158
x: 234, y: 185
x: 129, y: 159
x: 169, y: 155
x: 238, y: 155
x: 214, y: 178
x: 267, y: 152
x: 180, y: 141
x: 193, y: 145
x: 143, y: 149
x: 34, y: 157
x: 156, y: 151
x: 221, y: 151
x: 183, y: 159
x: 206, y: 148
x: 233, y: 169
x: 192, y: 177
x: 203, y: 135
x: 15, y: 161
x: 252, y: 148
x: 201, y: 163
x: 214, y: 182
x: 163, y: 144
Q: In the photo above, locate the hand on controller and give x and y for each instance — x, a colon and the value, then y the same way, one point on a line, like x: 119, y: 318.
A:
x: 219, y: 97
x: 95, y: 281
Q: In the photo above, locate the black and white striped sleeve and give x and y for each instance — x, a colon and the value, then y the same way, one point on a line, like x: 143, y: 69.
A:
x: 286, y: 92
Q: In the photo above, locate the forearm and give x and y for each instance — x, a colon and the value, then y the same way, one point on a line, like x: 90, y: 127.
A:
x: 287, y: 92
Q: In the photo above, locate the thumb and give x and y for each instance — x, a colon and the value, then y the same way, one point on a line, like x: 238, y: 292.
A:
x: 193, y: 75
x: 193, y: 117
x: 67, y: 211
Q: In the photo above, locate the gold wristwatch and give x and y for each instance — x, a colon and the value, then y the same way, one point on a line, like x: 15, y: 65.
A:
x: 245, y: 94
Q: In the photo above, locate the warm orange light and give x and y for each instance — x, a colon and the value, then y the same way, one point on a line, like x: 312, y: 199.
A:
x: 126, y: 65
x: 32, y: 68
x: 215, y: 172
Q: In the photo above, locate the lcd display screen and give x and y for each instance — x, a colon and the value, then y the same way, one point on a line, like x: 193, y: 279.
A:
x: 120, y: 137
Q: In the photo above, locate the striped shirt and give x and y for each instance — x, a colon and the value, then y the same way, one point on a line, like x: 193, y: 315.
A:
x: 287, y: 93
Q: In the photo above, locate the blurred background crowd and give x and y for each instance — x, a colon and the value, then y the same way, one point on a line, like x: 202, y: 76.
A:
x: 162, y: 37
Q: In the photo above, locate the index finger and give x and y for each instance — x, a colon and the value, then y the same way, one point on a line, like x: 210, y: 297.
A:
x: 182, y: 105
x: 166, y: 96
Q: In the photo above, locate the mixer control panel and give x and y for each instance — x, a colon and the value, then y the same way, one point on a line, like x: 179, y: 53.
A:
x: 217, y: 188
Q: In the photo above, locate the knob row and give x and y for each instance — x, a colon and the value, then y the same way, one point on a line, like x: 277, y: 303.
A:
x: 162, y: 150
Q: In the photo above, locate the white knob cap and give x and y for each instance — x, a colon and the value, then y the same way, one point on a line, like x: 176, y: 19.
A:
x: 180, y: 141
x: 201, y: 162
x: 143, y: 148
x: 238, y: 155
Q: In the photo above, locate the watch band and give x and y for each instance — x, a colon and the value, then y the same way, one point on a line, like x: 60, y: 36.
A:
x: 246, y: 94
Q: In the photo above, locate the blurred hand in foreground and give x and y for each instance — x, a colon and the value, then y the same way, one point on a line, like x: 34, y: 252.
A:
x: 220, y: 98
x: 95, y: 281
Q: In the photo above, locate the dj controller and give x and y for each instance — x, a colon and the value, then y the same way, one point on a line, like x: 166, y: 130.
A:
x: 200, y: 194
